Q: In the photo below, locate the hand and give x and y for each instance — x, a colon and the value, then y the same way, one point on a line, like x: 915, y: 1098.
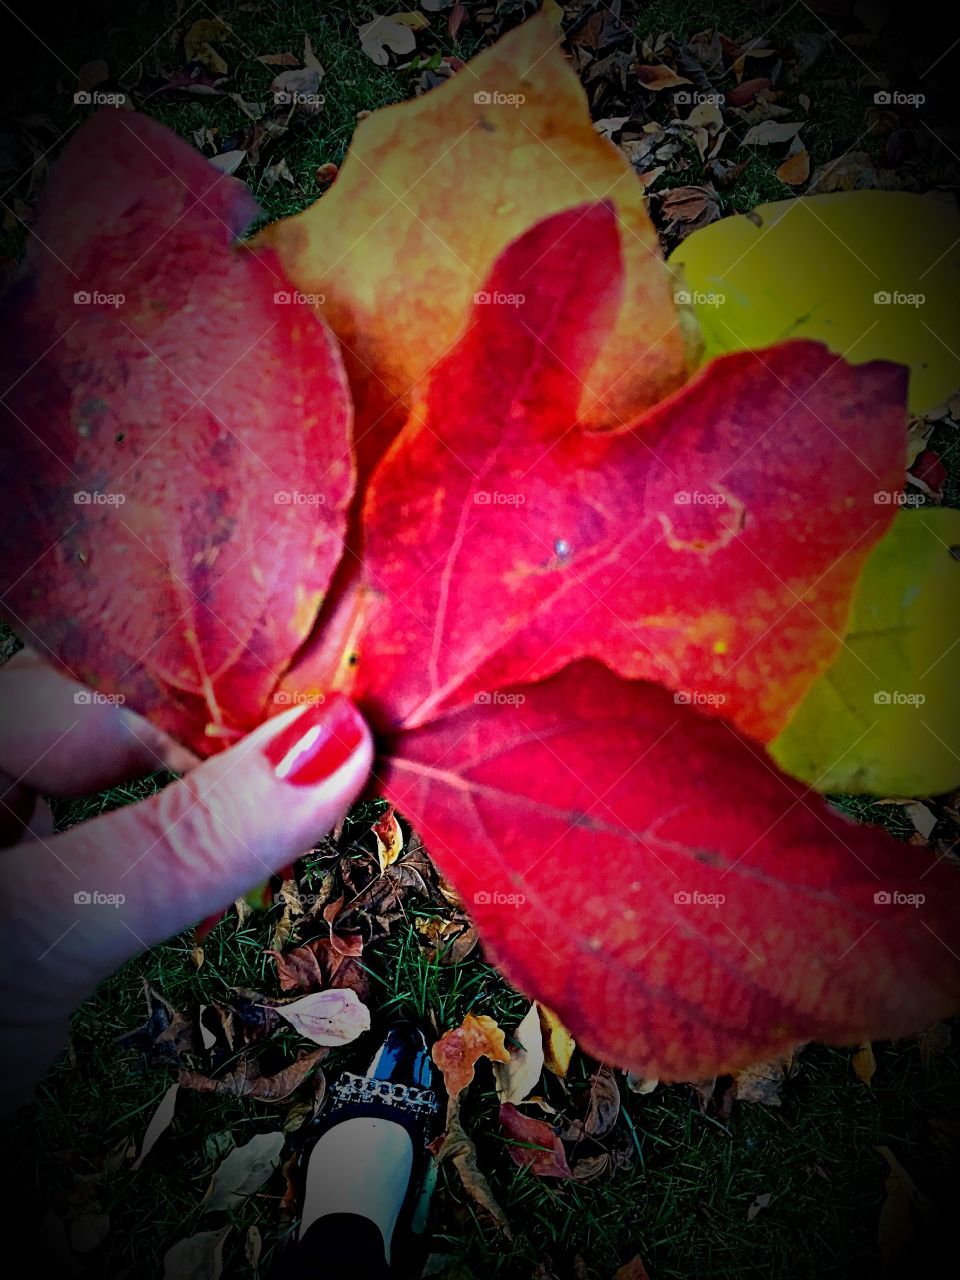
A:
x: 75, y: 906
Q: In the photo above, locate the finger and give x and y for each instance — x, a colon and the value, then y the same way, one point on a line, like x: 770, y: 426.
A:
x: 60, y: 738
x: 86, y: 900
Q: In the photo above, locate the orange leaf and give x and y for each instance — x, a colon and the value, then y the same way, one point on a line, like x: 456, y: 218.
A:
x: 457, y: 1050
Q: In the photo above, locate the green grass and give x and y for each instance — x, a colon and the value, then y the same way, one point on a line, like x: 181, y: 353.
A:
x: 688, y: 1179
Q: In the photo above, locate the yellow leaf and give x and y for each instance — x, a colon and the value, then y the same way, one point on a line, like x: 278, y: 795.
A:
x: 558, y: 1043
x: 415, y: 21
x: 883, y: 719
x: 433, y: 189
x: 813, y: 266
x: 864, y: 1063
x: 389, y: 839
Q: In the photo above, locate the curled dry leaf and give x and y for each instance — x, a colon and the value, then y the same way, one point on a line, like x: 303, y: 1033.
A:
x: 199, y: 1257
x: 536, y: 1146
x: 458, y: 1147
x: 763, y: 1081
x: 243, y: 1172
x: 389, y: 838
x: 602, y: 1112
x: 328, y: 1017
x: 864, y: 1063
x: 159, y: 1123
x: 517, y: 1077
x: 558, y: 1043
x: 385, y: 35
x: 245, y: 1081
x: 458, y: 1050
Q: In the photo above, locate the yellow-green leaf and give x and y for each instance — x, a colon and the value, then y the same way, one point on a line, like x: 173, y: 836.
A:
x: 883, y: 719
x: 812, y: 267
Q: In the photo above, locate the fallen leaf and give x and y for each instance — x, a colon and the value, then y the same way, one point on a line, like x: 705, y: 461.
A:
x: 199, y: 1257
x: 795, y: 170
x: 88, y: 1230
x: 457, y: 1051
x: 769, y: 132
x: 243, y: 1172
x: 536, y: 1146
x: 602, y: 1112
x: 762, y: 1082
x: 659, y: 77
x: 328, y: 1017
x: 385, y: 35
x: 320, y: 964
x: 640, y: 1084
x: 252, y: 1248
x: 459, y: 1148
x: 864, y: 1063
x: 159, y: 1123
x: 905, y: 1218
x: 761, y: 1202
x: 245, y: 1081
x: 632, y: 1270
x: 389, y: 838
x: 519, y: 1075
x: 558, y: 1043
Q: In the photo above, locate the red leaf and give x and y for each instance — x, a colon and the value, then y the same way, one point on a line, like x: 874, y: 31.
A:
x: 184, y: 583
x: 686, y: 549
x: 539, y: 1149
x: 571, y: 817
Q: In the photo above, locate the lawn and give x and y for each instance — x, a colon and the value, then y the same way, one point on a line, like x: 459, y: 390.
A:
x: 696, y: 1186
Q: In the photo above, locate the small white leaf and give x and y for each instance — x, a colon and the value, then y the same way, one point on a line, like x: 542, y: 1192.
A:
x: 328, y: 1017
x: 158, y: 1124
x: 244, y: 1171
x: 517, y: 1077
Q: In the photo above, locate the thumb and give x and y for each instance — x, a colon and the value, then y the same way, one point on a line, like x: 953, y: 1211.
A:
x: 107, y: 889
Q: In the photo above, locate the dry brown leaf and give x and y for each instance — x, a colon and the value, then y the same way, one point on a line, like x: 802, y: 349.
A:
x: 385, y: 35
x: 245, y: 1081
x: 632, y: 1270
x: 761, y: 1202
x: 243, y: 1172
x: 199, y: 1257
x: 771, y: 131
x: 458, y: 1050
x: 659, y: 77
x: 459, y: 1148
x: 763, y: 1082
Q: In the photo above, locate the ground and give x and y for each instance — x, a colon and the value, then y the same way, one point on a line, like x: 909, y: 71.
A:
x: 683, y: 1175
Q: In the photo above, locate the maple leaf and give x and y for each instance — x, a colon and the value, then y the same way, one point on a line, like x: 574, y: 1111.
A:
x: 648, y: 873
x: 430, y: 193
x: 175, y: 440
x: 503, y: 540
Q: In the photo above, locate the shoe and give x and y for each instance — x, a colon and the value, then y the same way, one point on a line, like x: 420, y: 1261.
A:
x: 364, y: 1165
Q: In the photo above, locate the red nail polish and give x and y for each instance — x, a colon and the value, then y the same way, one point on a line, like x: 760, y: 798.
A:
x: 316, y: 743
